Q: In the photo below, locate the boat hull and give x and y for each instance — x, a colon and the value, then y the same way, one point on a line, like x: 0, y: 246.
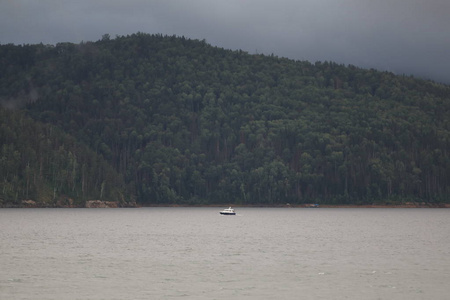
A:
x: 227, y: 214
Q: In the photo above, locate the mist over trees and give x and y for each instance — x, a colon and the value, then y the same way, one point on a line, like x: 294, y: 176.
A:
x: 169, y: 120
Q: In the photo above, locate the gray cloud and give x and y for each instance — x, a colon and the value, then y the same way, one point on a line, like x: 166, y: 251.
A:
x: 409, y: 37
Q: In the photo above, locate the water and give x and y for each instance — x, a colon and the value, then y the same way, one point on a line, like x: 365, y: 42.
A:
x: 195, y: 253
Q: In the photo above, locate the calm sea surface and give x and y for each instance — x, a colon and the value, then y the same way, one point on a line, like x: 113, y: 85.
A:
x: 195, y: 253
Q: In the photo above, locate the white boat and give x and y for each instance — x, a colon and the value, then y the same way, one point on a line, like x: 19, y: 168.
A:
x: 228, y: 211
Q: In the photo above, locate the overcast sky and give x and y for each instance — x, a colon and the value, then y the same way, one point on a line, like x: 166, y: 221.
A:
x: 402, y: 36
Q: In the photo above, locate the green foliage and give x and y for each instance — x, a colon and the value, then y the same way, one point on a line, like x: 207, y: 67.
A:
x: 41, y: 163
x: 187, y: 123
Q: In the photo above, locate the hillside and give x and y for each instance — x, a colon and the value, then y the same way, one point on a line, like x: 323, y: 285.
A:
x: 40, y: 163
x: 187, y: 123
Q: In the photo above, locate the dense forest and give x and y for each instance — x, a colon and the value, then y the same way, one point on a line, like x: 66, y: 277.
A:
x: 170, y: 120
x: 38, y: 161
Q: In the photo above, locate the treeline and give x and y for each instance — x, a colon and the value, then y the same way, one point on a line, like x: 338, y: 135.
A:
x: 184, y: 122
x: 39, y: 162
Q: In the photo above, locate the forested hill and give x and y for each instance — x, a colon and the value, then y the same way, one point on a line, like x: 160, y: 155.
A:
x: 40, y: 163
x: 183, y: 122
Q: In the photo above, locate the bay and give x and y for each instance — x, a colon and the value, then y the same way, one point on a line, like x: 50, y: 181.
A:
x: 195, y: 253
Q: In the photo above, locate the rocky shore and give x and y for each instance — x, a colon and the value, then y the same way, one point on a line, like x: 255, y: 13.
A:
x: 307, y: 205
x: 69, y: 203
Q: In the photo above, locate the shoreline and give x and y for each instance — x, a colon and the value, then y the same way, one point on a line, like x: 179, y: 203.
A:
x: 406, y: 205
x: 112, y: 204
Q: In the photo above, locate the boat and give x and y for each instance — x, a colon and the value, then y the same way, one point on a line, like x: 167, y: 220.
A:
x: 228, y: 211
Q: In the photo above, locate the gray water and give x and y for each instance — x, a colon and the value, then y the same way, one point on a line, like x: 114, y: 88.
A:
x: 195, y: 253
